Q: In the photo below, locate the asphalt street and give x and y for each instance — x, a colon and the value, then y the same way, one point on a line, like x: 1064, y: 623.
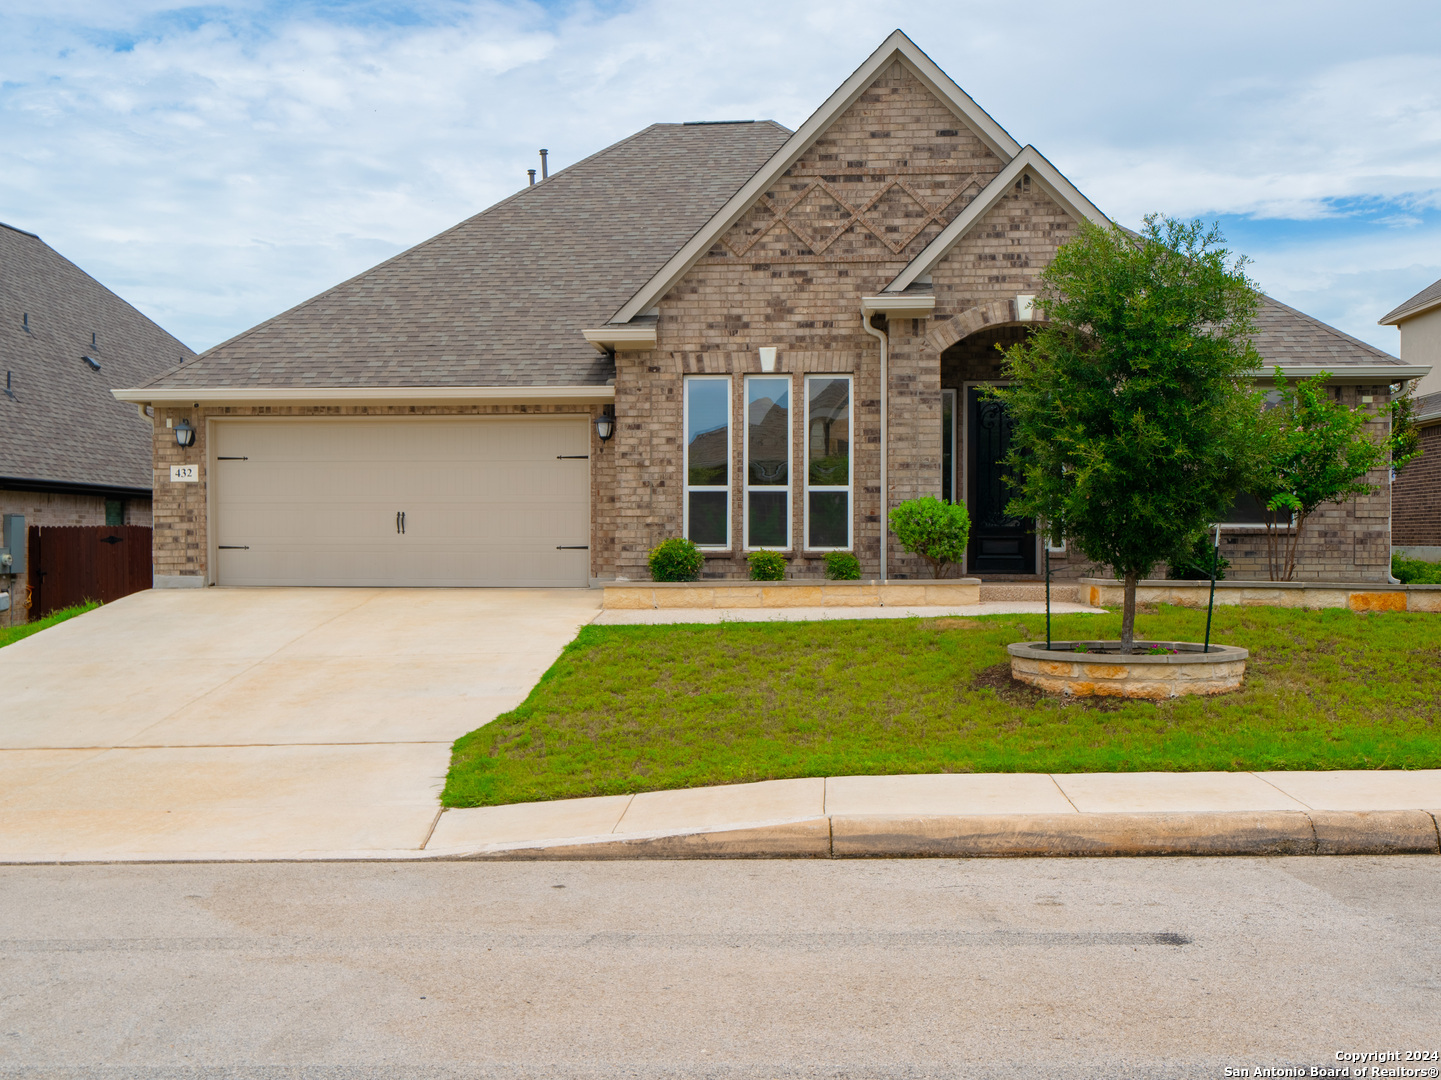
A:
x: 866, y: 969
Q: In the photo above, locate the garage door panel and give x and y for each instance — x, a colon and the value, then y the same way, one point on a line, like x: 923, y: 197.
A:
x: 486, y: 502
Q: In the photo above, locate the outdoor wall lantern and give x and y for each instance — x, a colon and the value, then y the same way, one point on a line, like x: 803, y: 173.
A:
x: 605, y: 424
x: 184, y: 434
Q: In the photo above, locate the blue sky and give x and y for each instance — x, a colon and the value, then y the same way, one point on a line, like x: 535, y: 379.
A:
x: 215, y: 164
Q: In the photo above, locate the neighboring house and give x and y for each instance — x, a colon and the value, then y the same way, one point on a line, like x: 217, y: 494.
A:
x: 1416, y: 515
x: 70, y: 454
x: 740, y: 297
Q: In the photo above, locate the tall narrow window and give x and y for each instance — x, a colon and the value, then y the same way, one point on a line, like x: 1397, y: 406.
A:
x: 828, y: 461
x: 768, y: 463
x: 707, y: 460
x: 948, y: 446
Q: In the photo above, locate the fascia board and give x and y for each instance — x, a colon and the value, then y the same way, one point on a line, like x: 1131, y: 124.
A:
x: 367, y: 395
x: 1042, y: 171
x: 900, y: 306
x: 1347, y: 373
x: 897, y: 45
x: 1396, y: 318
x: 621, y: 337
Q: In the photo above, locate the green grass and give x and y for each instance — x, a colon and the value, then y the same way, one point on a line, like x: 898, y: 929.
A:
x: 9, y: 635
x: 635, y: 708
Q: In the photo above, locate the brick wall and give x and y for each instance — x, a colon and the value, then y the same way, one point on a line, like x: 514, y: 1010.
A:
x: 181, y: 528
x: 1416, y: 517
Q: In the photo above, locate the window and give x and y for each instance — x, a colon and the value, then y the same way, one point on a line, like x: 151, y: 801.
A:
x: 948, y: 446
x: 768, y: 462
x: 114, y: 512
x: 828, y: 461
x: 707, y: 460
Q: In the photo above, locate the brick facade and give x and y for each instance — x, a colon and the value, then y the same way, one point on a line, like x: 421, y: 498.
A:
x: 1416, y: 516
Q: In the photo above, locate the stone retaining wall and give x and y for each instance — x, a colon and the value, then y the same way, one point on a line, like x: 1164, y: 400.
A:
x: 1103, y: 592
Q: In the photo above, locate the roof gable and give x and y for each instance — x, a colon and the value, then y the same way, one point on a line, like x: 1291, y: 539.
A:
x: 1028, y: 162
x: 896, y: 48
x: 1425, y: 300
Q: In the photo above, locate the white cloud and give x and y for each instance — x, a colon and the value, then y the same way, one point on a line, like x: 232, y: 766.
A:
x: 216, y: 165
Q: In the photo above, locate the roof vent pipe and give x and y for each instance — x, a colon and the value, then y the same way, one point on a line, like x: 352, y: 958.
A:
x: 531, y: 173
x: 544, y: 165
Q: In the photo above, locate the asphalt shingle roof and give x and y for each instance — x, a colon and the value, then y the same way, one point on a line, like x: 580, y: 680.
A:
x: 1427, y: 297
x: 1287, y: 336
x: 501, y: 298
x: 59, y: 423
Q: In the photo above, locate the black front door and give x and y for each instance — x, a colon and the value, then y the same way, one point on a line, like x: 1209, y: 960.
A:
x: 1000, y: 544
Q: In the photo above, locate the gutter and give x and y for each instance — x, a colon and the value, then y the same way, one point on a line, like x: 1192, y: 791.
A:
x: 379, y: 395
x: 912, y: 307
x: 1346, y: 373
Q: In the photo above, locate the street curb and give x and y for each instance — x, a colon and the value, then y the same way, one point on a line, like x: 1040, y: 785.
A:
x: 1265, y: 832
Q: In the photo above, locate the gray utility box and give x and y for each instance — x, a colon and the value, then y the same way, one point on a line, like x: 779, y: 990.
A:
x: 12, y: 544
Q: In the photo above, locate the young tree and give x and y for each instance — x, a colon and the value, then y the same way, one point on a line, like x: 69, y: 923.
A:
x: 1131, y: 405
x: 1316, y: 451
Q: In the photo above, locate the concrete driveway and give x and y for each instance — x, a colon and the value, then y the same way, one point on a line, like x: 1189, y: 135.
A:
x: 259, y: 722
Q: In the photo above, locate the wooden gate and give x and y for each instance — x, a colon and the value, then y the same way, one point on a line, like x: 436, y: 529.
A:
x: 70, y: 564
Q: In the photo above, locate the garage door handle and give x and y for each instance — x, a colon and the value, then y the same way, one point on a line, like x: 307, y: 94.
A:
x: 234, y: 547
x: 572, y: 457
x: 232, y: 459
x: 572, y: 547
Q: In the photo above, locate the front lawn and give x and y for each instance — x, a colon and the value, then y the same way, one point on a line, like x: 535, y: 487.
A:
x: 11, y: 634
x: 644, y: 708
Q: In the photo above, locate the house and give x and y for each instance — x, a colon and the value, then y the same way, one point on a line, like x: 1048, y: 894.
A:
x: 1416, y: 494
x: 70, y: 454
x: 729, y: 331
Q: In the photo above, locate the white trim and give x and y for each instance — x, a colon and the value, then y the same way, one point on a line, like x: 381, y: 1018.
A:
x: 686, y: 486
x: 1029, y: 161
x: 341, y: 395
x: 850, y: 485
x: 746, y: 544
x: 897, y: 46
x: 638, y: 338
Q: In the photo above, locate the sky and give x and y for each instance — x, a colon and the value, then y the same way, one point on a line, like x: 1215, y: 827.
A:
x: 217, y: 164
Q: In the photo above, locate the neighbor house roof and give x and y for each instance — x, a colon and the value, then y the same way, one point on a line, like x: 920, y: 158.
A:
x: 1425, y: 300
x: 501, y: 299
x: 59, y: 424
x: 1428, y: 408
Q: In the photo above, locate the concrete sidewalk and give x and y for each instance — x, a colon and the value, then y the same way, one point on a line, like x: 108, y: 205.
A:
x: 972, y: 814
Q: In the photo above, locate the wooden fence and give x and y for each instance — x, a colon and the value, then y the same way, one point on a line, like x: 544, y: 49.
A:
x: 69, y: 564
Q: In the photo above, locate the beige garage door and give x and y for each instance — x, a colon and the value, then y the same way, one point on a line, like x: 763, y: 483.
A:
x: 493, y: 501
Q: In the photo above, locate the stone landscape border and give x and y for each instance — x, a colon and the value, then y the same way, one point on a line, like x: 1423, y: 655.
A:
x: 1190, y: 670
x: 1357, y: 596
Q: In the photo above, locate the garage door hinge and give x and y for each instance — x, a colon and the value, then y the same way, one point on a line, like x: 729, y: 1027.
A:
x: 572, y: 547
x: 233, y: 547
x: 232, y: 459
x: 572, y: 457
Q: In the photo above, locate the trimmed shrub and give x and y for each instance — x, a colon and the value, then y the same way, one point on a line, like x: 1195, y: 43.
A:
x: 936, y: 531
x: 1194, y: 563
x: 842, y: 566
x: 767, y: 566
x: 676, y: 559
x: 1415, y: 571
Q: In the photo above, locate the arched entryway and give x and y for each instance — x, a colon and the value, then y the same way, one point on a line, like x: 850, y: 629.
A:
x: 975, y: 438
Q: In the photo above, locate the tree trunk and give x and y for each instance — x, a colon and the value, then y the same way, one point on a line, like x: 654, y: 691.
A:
x: 1128, y: 615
